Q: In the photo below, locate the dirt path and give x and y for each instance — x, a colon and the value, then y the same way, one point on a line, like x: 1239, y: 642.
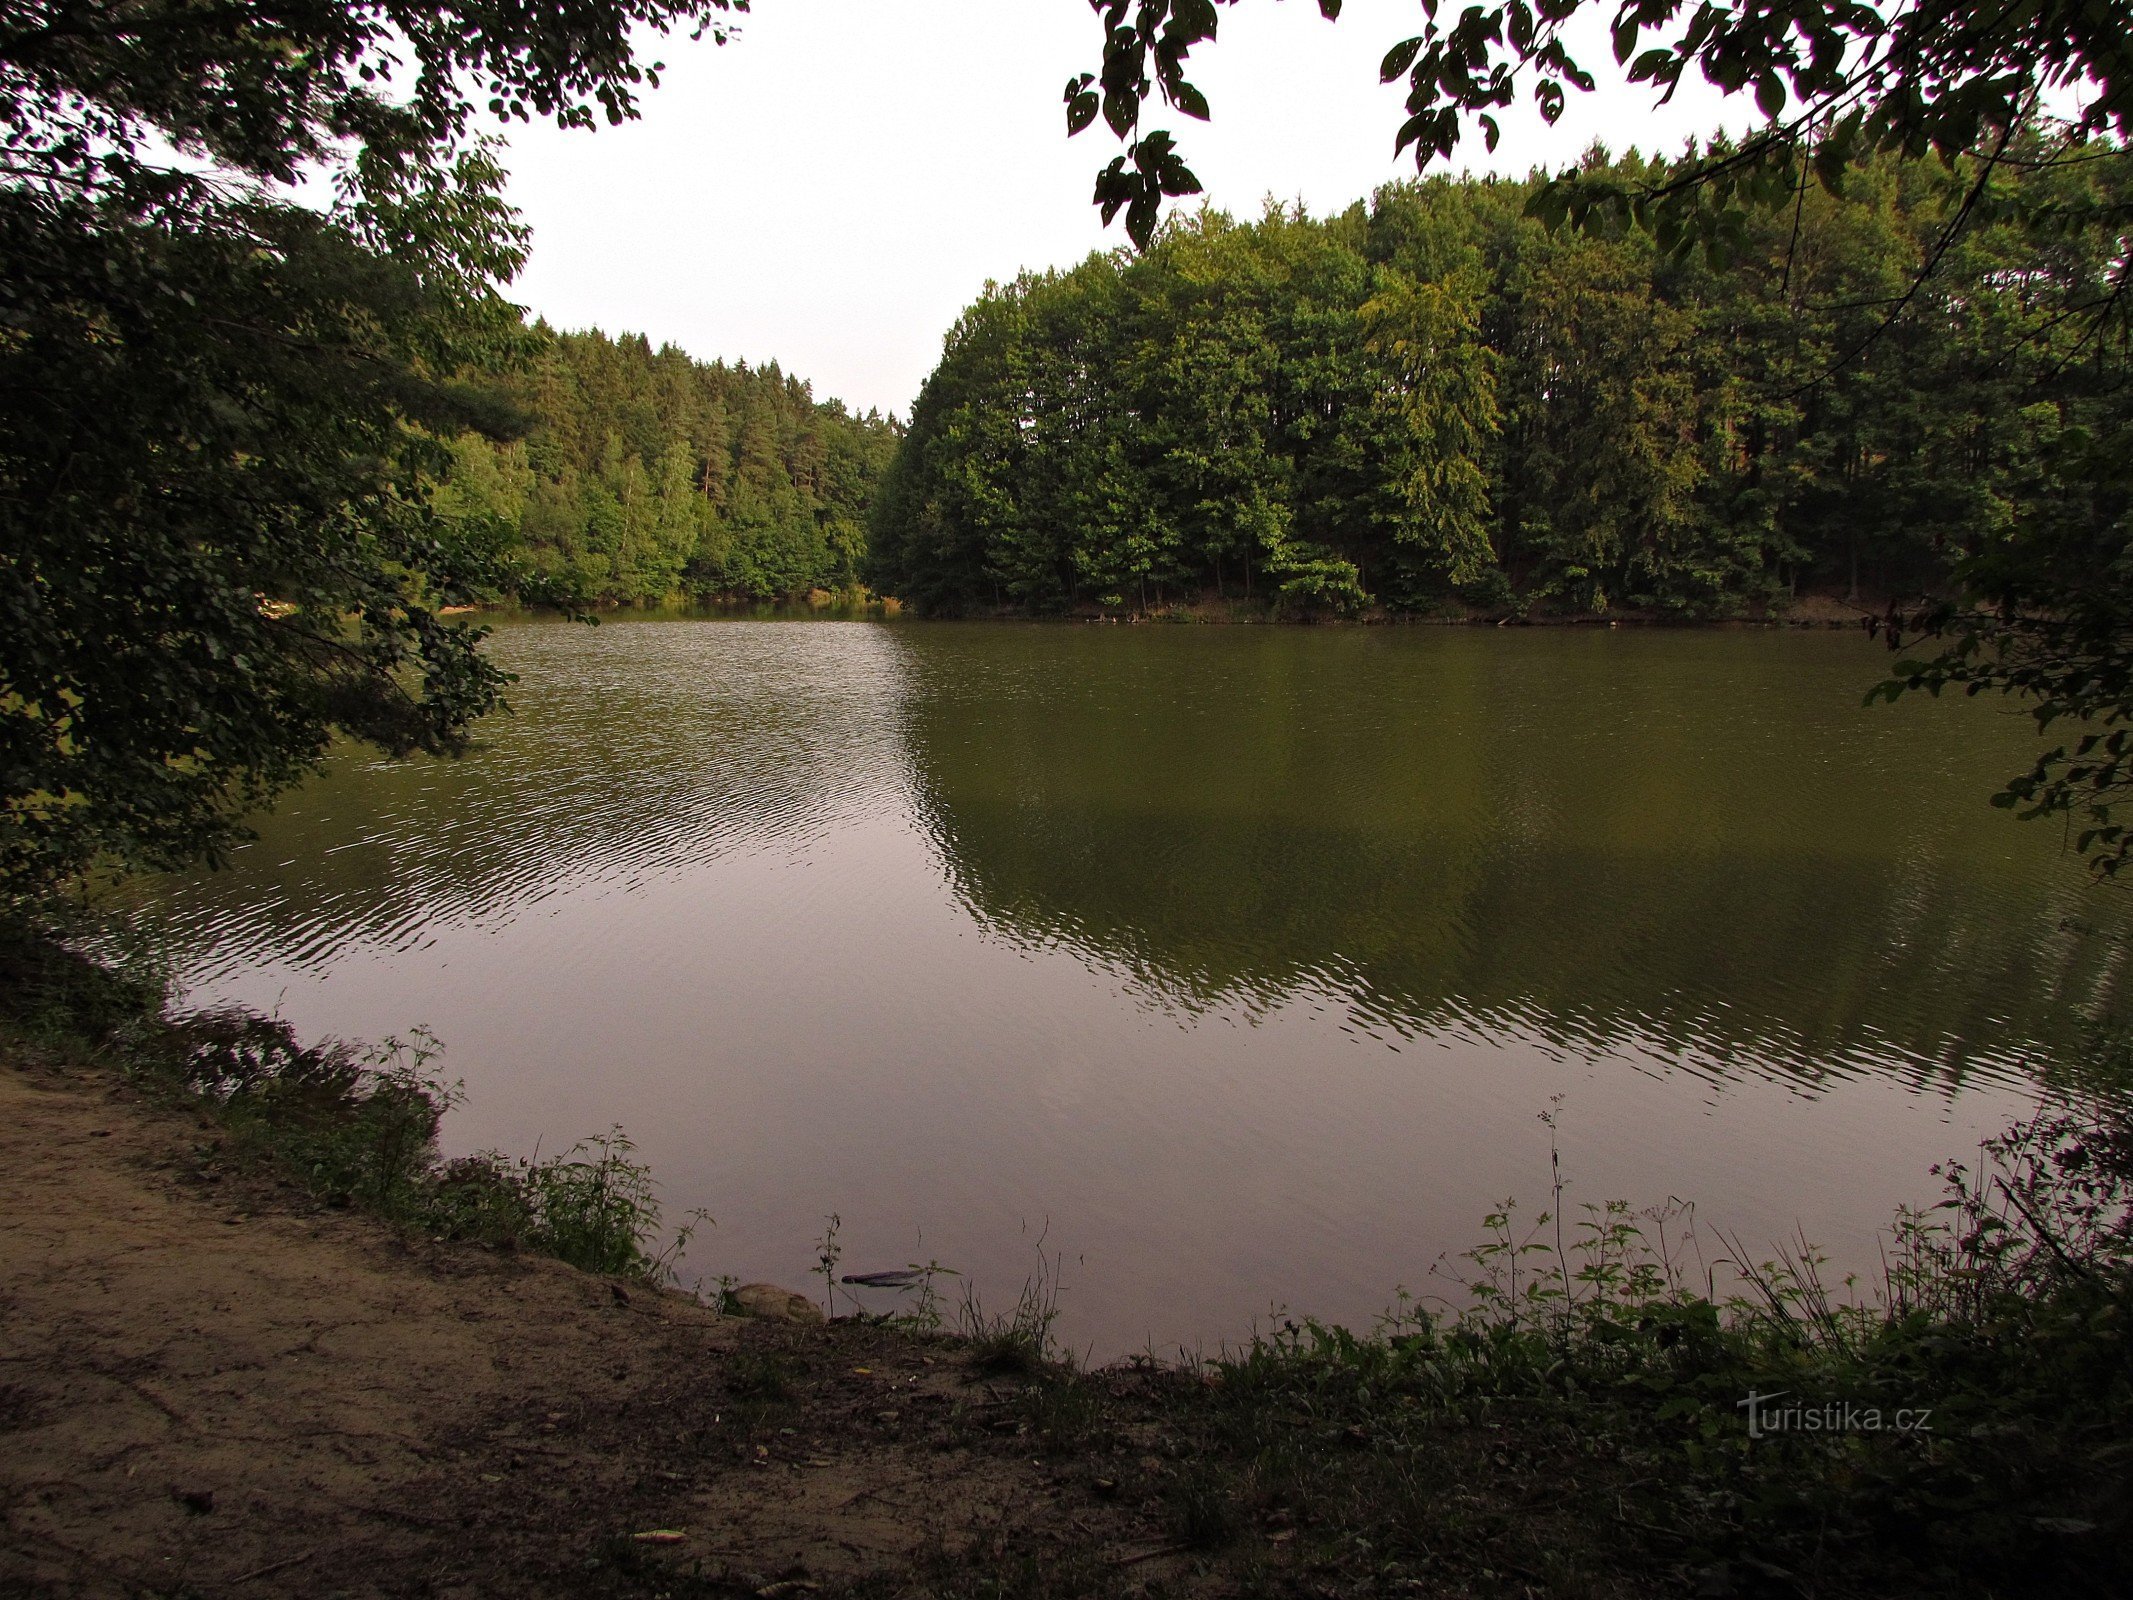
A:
x: 212, y: 1387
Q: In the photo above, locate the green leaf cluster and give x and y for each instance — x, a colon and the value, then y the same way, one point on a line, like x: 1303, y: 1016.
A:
x: 1439, y: 401
x: 1836, y: 83
x: 215, y: 552
x: 250, y: 255
x: 644, y: 476
x: 1252, y: 408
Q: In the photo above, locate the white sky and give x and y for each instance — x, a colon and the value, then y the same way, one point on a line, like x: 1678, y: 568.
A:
x: 830, y: 189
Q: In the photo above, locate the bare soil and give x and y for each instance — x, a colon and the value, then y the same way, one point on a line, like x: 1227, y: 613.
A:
x: 211, y: 1386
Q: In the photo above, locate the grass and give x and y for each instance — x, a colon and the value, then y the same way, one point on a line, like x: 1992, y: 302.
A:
x: 1019, y: 1341
x: 1581, y: 1414
x: 353, y: 1127
x: 1567, y: 1417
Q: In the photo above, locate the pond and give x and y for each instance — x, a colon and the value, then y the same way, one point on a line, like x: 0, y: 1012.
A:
x: 1227, y: 967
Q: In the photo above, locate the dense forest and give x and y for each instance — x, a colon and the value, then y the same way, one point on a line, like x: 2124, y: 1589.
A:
x: 643, y: 476
x: 1435, y: 401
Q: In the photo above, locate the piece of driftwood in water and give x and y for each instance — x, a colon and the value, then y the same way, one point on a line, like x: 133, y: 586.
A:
x: 902, y: 1278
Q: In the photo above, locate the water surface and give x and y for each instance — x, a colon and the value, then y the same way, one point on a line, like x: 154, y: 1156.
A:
x: 1237, y: 964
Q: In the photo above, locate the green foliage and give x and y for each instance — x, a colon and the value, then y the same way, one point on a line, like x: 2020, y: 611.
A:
x: 1992, y: 1363
x: 351, y: 1127
x: 359, y: 1128
x: 1221, y: 414
x: 645, y: 476
x: 1849, y: 98
x: 220, y: 402
x: 213, y: 555
x: 1436, y: 401
x: 1140, y: 36
x: 1836, y: 84
x: 1445, y: 392
x: 49, y: 992
x: 2044, y: 549
x: 2055, y: 626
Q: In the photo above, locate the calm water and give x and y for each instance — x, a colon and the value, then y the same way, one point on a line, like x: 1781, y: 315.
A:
x: 1243, y: 960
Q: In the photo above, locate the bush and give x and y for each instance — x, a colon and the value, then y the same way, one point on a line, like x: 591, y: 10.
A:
x: 354, y: 1127
x: 1999, y: 1330
x: 361, y: 1128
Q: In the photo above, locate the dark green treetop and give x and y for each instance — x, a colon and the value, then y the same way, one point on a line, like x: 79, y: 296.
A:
x: 2045, y: 609
x: 248, y: 248
x: 1834, y: 80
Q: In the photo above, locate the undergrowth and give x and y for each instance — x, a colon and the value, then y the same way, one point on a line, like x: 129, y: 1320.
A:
x: 1963, y: 1426
x: 353, y: 1127
x: 1019, y: 1340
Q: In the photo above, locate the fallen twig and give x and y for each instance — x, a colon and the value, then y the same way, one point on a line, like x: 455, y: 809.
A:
x: 273, y: 1567
x: 1135, y: 1558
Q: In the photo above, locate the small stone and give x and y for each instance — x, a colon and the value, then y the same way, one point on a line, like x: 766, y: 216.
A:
x: 772, y: 1304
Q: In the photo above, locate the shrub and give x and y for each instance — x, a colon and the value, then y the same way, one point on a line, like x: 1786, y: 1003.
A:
x: 352, y: 1126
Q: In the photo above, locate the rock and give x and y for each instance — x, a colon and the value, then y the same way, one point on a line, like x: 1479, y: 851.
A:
x: 772, y: 1304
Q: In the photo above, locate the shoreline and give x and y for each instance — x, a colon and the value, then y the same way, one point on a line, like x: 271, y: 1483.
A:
x: 223, y: 1374
x: 1808, y: 612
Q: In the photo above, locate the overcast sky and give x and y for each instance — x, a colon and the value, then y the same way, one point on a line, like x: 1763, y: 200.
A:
x: 831, y: 188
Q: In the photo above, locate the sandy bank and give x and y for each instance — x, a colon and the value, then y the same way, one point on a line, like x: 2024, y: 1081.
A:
x: 210, y: 1386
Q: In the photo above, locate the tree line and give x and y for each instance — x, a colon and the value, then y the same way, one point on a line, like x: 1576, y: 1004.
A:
x: 227, y: 407
x: 642, y: 475
x: 1436, y: 400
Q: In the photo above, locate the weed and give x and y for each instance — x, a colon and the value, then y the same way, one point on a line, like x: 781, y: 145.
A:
x: 1065, y: 1411
x: 1592, y: 1351
x: 1206, y: 1508
x: 596, y: 1208
x: 828, y: 1252
x: 927, y: 1310
x: 1018, y: 1340
x: 49, y: 992
x: 352, y: 1126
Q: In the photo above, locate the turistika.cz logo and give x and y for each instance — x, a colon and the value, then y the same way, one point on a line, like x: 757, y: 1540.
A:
x: 1784, y: 1412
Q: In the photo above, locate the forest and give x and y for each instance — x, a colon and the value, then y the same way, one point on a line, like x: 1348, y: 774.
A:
x: 641, y: 476
x: 1435, y: 402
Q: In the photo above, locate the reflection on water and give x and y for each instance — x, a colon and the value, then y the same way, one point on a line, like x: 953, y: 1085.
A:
x: 624, y: 763
x: 1243, y: 958
x: 1690, y: 846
